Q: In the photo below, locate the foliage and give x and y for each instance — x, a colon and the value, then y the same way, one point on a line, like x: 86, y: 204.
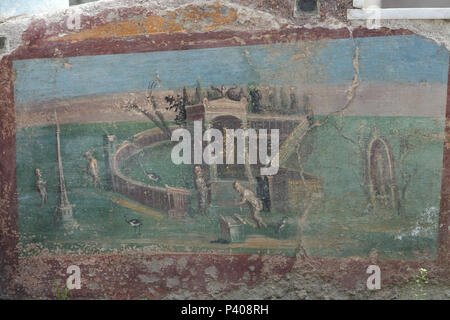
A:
x: 278, y: 100
x: 186, y: 99
x: 61, y: 295
x: 255, y: 98
x: 284, y: 101
x: 421, y: 280
x: 212, y: 94
x: 198, y: 92
x: 273, y: 98
x: 178, y: 104
x: 293, y: 103
x: 149, y: 108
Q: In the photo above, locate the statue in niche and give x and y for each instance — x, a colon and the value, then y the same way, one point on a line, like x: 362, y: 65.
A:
x: 92, y: 169
x: 41, y: 186
x: 202, y: 189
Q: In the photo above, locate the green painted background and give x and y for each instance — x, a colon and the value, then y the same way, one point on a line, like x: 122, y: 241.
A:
x: 338, y: 225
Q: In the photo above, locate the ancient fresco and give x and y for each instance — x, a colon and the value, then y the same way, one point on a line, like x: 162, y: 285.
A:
x: 354, y: 128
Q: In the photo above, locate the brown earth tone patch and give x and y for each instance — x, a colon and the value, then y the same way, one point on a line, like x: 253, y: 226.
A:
x: 155, y: 276
x: 8, y: 185
x: 444, y: 216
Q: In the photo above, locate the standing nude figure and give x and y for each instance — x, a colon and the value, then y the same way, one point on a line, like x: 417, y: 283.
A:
x: 41, y: 186
x: 92, y: 169
x: 202, y: 188
x: 254, y: 203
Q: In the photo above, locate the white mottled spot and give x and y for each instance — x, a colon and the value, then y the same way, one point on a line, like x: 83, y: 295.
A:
x: 211, y: 271
x: 158, y: 265
x: 181, y: 265
x: 172, y: 282
x: 147, y: 279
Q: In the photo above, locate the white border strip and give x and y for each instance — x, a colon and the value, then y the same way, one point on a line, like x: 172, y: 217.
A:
x: 399, y: 13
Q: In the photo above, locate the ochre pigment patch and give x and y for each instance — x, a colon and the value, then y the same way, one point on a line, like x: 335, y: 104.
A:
x: 188, y: 19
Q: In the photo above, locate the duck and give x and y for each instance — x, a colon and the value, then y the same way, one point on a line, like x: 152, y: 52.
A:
x: 135, y: 223
x: 152, y: 176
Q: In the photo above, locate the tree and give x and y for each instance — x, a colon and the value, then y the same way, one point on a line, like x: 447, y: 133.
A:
x: 150, y: 109
x: 186, y: 99
x: 178, y: 104
x: 198, y: 92
x: 301, y: 253
x: 405, y: 148
x: 294, y: 103
x: 359, y: 143
x: 308, y: 110
x: 255, y: 98
x: 409, y: 142
x: 273, y: 98
x: 284, y: 102
x: 212, y: 94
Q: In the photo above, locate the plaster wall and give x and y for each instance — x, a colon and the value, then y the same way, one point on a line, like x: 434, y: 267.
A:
x: 106, y: 27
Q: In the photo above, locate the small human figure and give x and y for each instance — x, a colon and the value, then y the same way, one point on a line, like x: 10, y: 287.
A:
x: 263, y: 192
x: 281, y: 224
x: 202, y: 189
x: 41, y: 186
x: 92, y: 169
x: 254, y: 203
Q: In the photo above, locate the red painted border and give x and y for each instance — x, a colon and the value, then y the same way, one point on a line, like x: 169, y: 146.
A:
x: 444, y: 216
x: 39, y: 48
x: 8, y: 181
x: 183, y: 41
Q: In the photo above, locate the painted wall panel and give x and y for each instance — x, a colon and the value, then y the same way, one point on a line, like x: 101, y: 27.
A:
x: 393, y: 210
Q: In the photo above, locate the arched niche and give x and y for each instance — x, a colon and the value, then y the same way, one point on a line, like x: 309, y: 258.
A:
x: 235, y: 171
x: 381, y: 173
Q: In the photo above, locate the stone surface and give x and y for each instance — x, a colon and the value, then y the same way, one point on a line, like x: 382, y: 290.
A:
x: 29, y: 269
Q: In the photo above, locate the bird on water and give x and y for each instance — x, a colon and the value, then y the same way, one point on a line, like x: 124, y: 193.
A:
x: 135, y: 223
